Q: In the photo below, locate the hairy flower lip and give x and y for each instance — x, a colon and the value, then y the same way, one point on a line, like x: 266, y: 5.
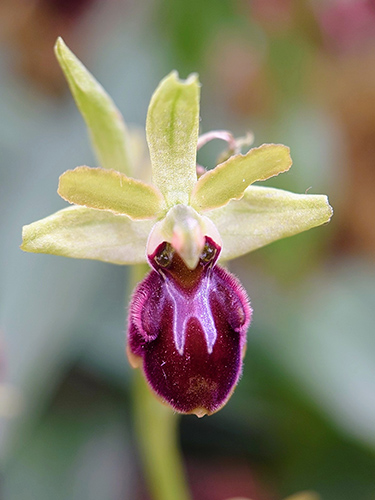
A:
x: 187, y: 330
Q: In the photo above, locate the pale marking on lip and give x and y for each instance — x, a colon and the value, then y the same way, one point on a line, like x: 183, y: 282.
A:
x: 186, y: 308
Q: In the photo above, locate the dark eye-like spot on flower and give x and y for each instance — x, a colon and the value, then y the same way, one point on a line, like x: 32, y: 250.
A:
x: 164, y: 256
x: 208, y: 252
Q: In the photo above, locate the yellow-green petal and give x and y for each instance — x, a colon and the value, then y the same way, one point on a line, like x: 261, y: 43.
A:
x: 265, y: 215
x: 172, y: 135
x: 85, y: 233
x: 229, y: 180
x: 106, y: 127
x: 110, y: 190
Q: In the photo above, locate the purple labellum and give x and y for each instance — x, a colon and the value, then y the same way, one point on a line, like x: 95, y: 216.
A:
x: 188, y: 330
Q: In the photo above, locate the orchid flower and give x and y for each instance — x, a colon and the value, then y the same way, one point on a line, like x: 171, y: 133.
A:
x: 189, y: 316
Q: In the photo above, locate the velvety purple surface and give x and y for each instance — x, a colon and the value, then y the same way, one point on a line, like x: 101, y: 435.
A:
x: 189, y: 327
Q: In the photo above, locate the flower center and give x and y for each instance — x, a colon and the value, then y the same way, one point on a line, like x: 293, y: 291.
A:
x: 168, y: 263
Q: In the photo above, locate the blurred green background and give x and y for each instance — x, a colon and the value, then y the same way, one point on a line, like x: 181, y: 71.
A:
x: 303, y: 416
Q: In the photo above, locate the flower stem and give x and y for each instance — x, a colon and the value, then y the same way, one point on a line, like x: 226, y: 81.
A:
x: 156, y: 427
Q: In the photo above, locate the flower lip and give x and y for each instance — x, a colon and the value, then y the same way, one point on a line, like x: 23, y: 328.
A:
x: 187, y: 329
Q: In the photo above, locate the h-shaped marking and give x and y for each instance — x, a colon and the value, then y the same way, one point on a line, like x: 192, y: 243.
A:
x: 186, y: 307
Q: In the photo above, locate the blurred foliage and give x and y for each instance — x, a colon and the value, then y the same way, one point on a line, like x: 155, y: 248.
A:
x: 188, y: 27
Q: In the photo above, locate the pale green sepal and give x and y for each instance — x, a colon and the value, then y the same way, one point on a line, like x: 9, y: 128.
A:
x: 265, y: 215
x: 229, y: 180
x: 85, y: 233
x: 110, y: 190
x: 106, y: 126
x: 172, y: 135
x: 185, y: 229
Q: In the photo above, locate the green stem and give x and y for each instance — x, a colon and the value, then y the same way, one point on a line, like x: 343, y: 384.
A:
x: 156, y: 426
x: 157, y: 429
